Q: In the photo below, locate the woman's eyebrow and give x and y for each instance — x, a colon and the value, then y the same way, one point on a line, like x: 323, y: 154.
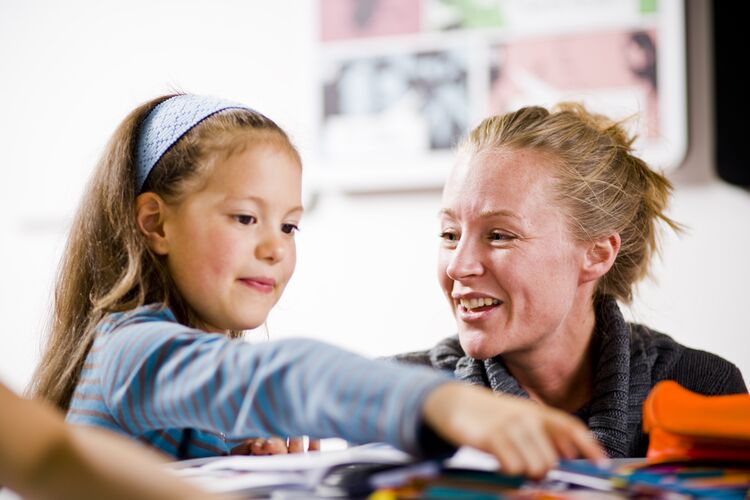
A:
x: 484, y: 214
x: 499, y: 213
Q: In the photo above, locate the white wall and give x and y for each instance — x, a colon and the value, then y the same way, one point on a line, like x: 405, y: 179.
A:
x: 69, y: 71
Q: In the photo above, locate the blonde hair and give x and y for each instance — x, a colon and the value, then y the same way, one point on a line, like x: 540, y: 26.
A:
x: 601, y: 185
x: 107, y: 265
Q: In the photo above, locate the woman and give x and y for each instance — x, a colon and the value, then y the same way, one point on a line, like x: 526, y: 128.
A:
x: 548, y: 220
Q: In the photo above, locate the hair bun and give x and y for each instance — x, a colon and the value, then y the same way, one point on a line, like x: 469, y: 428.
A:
x: 613, y: 129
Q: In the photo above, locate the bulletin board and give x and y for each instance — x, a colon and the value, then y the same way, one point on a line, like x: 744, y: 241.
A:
x: 402, y: 81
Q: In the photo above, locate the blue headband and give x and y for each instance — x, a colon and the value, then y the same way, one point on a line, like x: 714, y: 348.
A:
x: 167, y: 123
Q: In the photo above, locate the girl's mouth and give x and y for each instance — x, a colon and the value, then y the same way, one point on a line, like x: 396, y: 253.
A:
x: 263, y: 285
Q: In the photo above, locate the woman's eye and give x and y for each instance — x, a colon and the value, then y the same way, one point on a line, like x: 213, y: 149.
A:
x: 448, y: 236
x: 289, y: 228
x: 498, y: 236
x: 246, y: 220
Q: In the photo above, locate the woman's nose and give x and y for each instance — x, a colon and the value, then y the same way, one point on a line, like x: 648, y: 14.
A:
x: 464, y: 261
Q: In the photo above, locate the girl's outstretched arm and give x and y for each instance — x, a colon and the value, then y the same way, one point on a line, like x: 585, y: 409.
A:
x: 159, y: 374
x: 154, y: 373
x: 41, y: 457
x: 526, y: 437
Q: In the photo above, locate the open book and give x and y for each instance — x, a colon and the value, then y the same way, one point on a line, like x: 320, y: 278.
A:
x: 304, y: 471
x: 347, y: 471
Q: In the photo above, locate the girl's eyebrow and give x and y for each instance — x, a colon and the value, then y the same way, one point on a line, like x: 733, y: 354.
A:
x: 262, y: 202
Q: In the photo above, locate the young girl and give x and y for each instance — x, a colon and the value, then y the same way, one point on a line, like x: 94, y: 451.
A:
x: 184, y: 239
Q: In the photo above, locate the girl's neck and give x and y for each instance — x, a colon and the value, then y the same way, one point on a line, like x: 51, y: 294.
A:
x: 559, y: 373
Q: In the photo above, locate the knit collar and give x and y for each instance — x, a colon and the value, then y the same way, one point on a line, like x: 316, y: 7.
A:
x: 621, y: 379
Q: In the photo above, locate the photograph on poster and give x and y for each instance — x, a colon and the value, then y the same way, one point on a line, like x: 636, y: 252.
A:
x: 405, y: 103
x: 611, y: 71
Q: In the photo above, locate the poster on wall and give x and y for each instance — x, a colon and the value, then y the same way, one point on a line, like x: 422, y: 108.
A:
x: 402, y: 81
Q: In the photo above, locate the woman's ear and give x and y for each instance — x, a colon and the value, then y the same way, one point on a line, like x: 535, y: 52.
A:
x: 600, y: 255
x: 149, y: 216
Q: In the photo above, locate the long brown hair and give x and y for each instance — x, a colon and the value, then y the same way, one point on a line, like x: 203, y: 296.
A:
x: 602, y: 185
x: 107, y: 265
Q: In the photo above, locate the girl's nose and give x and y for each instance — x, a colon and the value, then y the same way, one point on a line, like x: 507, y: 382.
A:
x: 271, y: 249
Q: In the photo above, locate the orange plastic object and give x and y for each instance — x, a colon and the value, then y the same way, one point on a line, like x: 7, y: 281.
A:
x: 684, y: 425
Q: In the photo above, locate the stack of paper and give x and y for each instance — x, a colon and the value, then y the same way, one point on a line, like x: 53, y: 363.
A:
x: 303, y: 471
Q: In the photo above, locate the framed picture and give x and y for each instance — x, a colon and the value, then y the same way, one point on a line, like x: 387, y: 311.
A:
x: 402, y: 81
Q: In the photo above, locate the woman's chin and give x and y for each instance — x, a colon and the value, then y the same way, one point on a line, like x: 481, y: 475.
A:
x: 477, y: 345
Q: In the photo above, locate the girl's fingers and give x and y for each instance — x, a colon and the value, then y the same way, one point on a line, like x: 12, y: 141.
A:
x: 257, y: 446
x: 275, y: 446
x: 563, y: 444
x: 506, y: 452
x: 242, y: 449
x: 296, y: 445
x: 535, y: 463
x: 580, y: 439
x: 314, y: 445
x: 540, y: 442
x: 587, y: 444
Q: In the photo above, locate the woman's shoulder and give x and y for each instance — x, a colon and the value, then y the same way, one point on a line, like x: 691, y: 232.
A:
x: 412, y: 358
x: 694, y: 369
x: 707, y: 373
x: 444, y: 355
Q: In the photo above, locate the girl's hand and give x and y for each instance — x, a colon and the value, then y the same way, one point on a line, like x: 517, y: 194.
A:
x: 526, y: 437
x: 274, y: 446
x: 297, y: 445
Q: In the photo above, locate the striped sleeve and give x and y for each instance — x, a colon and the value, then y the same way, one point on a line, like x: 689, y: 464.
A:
x: 158, y: 375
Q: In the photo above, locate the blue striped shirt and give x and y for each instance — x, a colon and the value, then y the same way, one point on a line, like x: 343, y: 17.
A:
x: 152, y: 378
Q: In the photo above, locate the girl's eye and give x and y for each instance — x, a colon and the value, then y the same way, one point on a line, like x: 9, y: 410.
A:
x: 289, y: 228
x: 246, y: 220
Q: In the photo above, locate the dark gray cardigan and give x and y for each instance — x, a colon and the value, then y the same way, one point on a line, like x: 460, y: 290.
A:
x: 629, y: 360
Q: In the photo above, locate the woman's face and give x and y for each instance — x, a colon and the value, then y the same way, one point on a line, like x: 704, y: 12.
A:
x: 507, y: 263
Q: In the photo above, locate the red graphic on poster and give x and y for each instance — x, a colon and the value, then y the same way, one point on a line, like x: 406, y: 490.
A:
x: 348, y: 19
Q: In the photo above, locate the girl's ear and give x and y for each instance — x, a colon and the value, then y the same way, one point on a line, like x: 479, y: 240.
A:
x: 600, y: 255
x: 149, y: 216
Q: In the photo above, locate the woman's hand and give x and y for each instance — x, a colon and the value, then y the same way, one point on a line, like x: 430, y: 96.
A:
x: 526, y: 437
x: 275, y: 446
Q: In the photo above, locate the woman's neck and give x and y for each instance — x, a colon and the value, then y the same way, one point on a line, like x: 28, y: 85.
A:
x: 559, y: 373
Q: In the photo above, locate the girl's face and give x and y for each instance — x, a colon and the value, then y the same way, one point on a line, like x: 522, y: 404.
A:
x: 508, y: 264
x: 230, y: 245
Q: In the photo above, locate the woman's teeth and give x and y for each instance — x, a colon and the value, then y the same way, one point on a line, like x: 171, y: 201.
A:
x: 470, y: 304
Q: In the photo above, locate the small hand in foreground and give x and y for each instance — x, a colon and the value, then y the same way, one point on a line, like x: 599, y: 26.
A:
x: 275, y: 446
x: 526, y: 437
